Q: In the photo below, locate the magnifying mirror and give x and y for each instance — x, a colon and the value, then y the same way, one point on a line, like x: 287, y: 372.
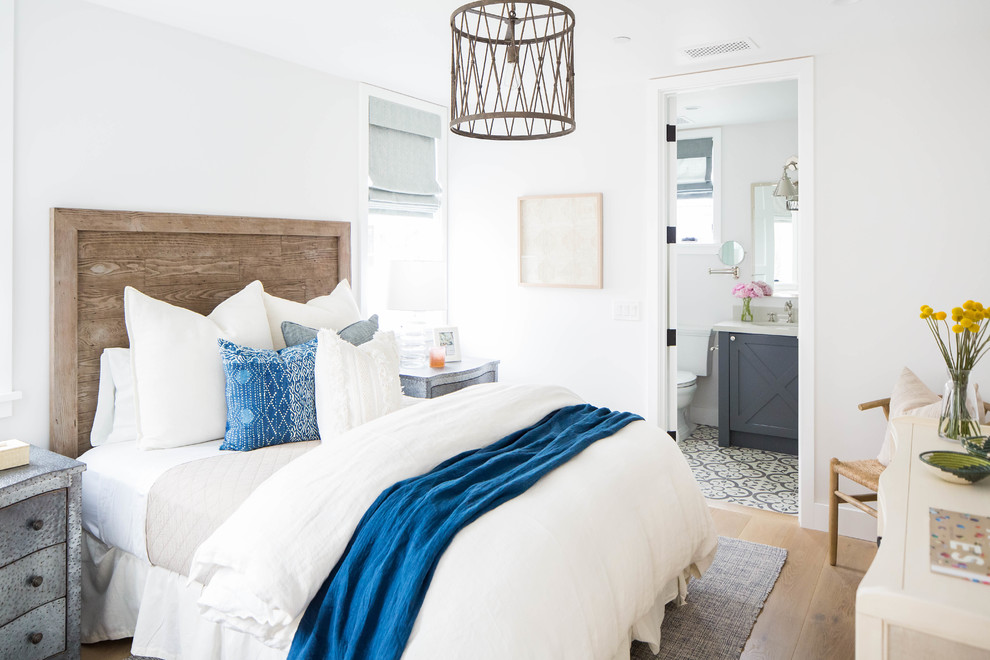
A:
x: 731, y: 253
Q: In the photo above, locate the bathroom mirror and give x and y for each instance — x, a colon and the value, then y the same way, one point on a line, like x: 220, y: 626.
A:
x: 731, y: 253
x: 775, y: 236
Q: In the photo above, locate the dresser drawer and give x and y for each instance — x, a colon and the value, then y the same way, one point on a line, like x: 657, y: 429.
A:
x: 447, y: 388
x: 32, y: 581
x: 32, y: 524
x: 38, y: 634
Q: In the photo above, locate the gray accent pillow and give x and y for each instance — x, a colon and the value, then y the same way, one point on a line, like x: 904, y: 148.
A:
x: 356, y: 333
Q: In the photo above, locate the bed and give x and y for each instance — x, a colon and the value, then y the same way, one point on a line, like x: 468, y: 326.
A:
x: 577, y: 566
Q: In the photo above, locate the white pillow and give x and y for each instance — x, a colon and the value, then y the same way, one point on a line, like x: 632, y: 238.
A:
x: 911, y: 397
x: 355, y: 384
x: 124, y: 425
x: 179, y: 381
x: 103, y: 420
x: 336, y: 311
x: 114, y: 419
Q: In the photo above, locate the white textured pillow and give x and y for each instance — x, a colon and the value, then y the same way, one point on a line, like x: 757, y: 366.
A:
x: 336, y: 311
x: 178, y: 377
x: 355, y: 384
x: 911, y: 397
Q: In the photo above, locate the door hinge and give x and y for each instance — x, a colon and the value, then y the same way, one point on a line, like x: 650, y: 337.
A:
x: 671, y: 235
x: 671, y: 337
x: 671, y: 133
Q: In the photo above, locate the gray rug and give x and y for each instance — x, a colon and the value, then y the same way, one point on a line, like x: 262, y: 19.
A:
x: 721, y: 607
x: 752, y: 477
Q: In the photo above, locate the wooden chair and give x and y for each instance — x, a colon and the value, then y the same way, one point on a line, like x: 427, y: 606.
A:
x: 866, y: 473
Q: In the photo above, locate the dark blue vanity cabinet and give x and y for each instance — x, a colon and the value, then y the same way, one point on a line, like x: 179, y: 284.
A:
x: 758, y: 391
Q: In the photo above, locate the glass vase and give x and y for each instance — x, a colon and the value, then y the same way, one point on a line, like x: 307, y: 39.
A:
x: 958, y: 419
x: 747, y: 313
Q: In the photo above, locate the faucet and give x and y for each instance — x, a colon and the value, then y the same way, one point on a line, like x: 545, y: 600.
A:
x: 789, y: 306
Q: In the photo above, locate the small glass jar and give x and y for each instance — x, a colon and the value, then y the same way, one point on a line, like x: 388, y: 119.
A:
x: 438, y: 357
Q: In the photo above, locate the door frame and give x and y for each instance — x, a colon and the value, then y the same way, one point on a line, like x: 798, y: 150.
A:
x: 661, y: 262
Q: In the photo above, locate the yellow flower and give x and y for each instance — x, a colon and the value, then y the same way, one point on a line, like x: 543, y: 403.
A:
x: 940, y: 316
x: 968, y: 304
x: 974, y: 328
x: 978, y: 306
x: 957, y: 311
x: 925, y: 307
x: 966, y: 322
x: 957, y: 317
x: 957, y: 329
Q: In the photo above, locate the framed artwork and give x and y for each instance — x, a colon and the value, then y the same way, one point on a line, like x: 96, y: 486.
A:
x: 446, y: 337
x: 560, y: 240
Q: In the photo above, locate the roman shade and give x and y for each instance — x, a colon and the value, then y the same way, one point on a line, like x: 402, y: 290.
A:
x: 694, y: 167
x: 402, y: 159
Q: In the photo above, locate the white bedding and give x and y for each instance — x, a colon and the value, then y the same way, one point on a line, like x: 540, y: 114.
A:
x: 115, y: 488
x: 572, y: 568
x: 116, y: 482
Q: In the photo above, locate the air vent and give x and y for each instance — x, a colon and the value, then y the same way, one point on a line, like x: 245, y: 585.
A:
x: 716, y: 50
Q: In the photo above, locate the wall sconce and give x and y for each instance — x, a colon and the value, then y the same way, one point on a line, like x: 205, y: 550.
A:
x: 786, y: 188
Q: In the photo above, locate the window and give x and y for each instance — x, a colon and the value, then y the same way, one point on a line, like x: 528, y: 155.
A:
x: 405, y: 229
x: 698, y: 183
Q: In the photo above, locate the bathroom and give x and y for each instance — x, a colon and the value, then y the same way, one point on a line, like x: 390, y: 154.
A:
x: 739, y: 432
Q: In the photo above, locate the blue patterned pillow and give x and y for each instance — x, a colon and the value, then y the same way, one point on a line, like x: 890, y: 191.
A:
x: 271, y: 395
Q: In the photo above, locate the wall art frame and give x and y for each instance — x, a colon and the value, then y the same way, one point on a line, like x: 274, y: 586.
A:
x: 560, y: 241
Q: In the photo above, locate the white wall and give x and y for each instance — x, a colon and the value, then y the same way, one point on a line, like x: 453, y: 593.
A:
x: 751, y: 153
x: 901, y: 139
x: 564, y: 336
x: 116, y: 112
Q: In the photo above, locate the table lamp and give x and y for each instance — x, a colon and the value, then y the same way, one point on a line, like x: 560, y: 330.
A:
x: 415, y: 286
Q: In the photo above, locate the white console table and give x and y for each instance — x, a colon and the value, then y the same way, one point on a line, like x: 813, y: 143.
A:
x: 904, y: 610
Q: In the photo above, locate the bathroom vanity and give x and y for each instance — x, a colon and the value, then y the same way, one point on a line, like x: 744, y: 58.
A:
x: 758, y: 385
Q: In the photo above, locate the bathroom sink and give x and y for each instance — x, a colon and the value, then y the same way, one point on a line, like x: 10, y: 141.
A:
x: 759, y: 327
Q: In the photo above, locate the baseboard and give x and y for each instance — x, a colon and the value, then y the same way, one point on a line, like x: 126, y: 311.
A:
x: 707, y: 416
x: 852, y: 522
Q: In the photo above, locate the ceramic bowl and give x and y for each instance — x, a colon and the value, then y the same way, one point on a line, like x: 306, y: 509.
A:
x: 957, y: 467
x: 977, y: 445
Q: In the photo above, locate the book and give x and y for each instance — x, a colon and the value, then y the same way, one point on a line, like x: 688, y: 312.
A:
x: 959, y: 545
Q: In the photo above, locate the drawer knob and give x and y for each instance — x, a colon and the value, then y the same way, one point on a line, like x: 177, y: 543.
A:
x: 36, y: 581
x: 36, y: 638
x: 36, y: 525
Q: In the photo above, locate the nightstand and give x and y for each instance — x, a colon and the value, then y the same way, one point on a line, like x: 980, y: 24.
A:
x: 429, y: 383
x: 40, y: 537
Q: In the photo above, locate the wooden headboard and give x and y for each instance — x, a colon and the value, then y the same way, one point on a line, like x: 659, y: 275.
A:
x: 194, y: 261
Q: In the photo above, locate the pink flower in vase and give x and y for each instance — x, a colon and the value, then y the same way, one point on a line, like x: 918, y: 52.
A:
x: 755, y: 289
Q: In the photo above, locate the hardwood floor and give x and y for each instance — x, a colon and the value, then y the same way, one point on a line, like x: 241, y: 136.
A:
x: 810, y: 613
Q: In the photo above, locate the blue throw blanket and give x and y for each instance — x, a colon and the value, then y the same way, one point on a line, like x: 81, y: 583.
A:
x: 367, y: 606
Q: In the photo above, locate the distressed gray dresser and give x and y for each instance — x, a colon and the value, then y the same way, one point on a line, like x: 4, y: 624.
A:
x: 429, y: 383
x: 40, y: 535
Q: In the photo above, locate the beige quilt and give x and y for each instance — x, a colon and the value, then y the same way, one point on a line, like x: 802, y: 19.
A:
x: 191, y: 500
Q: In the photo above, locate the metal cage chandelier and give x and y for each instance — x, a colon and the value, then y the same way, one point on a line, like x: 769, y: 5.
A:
x: 512, y: 70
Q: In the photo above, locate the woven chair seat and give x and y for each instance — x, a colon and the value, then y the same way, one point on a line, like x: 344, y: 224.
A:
x: 865, y: 473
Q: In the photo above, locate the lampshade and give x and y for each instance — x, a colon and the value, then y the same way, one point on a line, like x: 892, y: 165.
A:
x: 785, y: 188
x: 512, y: 70
x: 416, y: 286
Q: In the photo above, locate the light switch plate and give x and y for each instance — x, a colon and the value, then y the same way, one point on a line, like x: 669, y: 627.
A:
x: 625, y: 310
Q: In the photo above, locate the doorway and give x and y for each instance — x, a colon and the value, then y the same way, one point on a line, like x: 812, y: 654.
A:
x: 665, y: 258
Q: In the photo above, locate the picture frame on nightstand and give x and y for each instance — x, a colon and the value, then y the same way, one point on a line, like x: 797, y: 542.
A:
x: 448, y: 338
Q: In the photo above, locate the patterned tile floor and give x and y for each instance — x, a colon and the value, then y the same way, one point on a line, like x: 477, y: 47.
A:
x: 751, y: 477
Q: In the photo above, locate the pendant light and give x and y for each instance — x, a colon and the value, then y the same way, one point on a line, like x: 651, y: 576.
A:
x: 512, y: 70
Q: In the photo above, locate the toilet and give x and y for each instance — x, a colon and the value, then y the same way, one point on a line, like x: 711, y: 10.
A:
x: 694, y: 358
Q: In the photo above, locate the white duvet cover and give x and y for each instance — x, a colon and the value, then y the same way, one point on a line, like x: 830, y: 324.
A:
x: 570, y: 569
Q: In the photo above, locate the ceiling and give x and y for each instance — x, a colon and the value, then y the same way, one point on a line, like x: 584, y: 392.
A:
x: 404, y: 45
x: 738, y: 104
